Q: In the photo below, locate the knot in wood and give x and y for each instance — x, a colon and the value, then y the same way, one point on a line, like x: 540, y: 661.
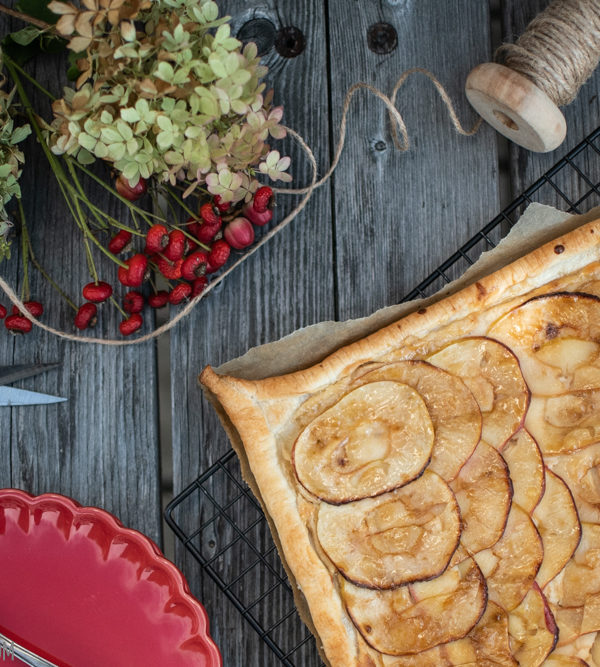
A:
x: 289, y: 42
x: 261, y: 32
x: 382, y: 38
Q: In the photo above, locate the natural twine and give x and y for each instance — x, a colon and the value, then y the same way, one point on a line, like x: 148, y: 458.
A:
x: 401, y: 141
x: 559, y: 49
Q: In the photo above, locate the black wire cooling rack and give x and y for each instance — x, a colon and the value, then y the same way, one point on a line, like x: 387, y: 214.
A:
x: 246, y: 549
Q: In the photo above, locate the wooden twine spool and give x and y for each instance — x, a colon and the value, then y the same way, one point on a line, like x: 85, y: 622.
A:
x: 519, y: 95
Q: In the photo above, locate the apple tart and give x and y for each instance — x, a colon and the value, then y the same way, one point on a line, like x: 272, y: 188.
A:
x: 434, y: 487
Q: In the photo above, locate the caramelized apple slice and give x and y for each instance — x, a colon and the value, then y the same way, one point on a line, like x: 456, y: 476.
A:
x: 559, y: 660
x: 453, y: 410
x: 492, y: 373
x: 580, y: 578
x: 526, y: 469
x: 532, y: 629
x: 486, y: 644
x: 483, y: 492
x: 374, y: 439
x: 565, y: 423
x: 417, y: 617
x: 581, y: 471
x: 582, y: 650
x: 558, y: 524
x: 555, y: 337
x: 405, y: 535
x: 511, y: 564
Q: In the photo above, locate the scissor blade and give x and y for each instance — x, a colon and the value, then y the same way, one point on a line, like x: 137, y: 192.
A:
x: 10, y: 374
x: 14, y: 396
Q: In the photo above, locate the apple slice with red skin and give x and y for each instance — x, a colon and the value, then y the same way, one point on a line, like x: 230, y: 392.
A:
x: 558, y: 523
x: 555, y: 337
x: 376, y: 438
x: 526, y: 469
x: 581, y: 650
x: 486, y: 644
x: 417, y: 617
x: 406, y: 535
x: 453, y: 410
x: 581, y: 472
x: 511, y: 564
x: 483, y: 491
x: 565, y: 423
x: 492, y: 373
x: 532, y: 629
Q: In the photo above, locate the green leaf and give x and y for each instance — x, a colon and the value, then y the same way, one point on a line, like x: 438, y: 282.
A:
x: 26, y: 35
x: 38, y: 9
x: 85, y: 157
x: 20, y: 133
x: 4, y: 170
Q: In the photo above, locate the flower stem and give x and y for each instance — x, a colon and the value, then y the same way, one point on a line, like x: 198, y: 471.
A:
x: 24, y: 245
x: 25, y: 17
x: 29, y: 78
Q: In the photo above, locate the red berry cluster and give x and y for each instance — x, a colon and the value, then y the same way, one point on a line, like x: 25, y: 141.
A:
x: 184, y: 255
x: 16, y: 322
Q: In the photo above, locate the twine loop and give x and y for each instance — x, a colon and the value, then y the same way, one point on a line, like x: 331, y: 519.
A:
x: 401, y: 141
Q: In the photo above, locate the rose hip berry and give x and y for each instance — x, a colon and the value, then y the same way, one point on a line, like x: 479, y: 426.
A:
x: 119, y: 241
x: 239, y: 233
x: 218, y: 255
x: 130, y: 192
x: 175, y: 248
x: 18, y: 324
x: 198, y: 286
x: 157, y: 239
x: 210, y: 214
x: 223, y: 206
x: 97, y: 292
x: 131, y: 324
x: 133, y: 302
x: 179, y: 293
x: 205, y: 233
x: 34, y: 307
x: 263, y: 199
x: 257, y: 217
x: 3, y: 312
x: 194, y: 265
x: 86, y: 316
x: 134, y: 274
x: 170, y: 270
x: 159, y: 299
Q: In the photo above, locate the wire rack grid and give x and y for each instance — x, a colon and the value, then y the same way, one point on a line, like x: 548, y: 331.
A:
x: 224, y: 497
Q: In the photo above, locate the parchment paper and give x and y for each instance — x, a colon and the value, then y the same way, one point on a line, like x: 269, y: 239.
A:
x: 305, y: 347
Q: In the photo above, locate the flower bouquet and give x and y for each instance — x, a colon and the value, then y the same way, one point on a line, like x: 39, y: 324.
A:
x: 176, y: 107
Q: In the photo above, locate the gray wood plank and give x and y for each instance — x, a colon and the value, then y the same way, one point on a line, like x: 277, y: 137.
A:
x: 287, y: 284
x: 352, y: 250
x: 101, y: 446
x: 399, y: 215
x: 581, y: 116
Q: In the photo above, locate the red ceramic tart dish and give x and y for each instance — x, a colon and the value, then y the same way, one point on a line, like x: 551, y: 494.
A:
x: 79, y: 589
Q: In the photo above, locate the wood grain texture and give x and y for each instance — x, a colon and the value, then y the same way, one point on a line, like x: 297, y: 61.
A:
x: 287, y: 284
x: 101, y: 446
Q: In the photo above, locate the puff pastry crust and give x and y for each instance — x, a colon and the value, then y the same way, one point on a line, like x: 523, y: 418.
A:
x: 433, y: 488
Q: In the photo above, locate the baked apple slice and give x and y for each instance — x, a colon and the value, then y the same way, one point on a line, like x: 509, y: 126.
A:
x: 565, y: 423
x: 558, y: 524
x: 532, y: 629
x: 582, y: 650
x: 526, y: 469
x: 581, y: 471
x: 374, y: 439
x: 486, y: 644
x: 511, y: 564
x: 555, y: 337
x: 405, y: 535
x: 559, y: 660
x: 417, y: 617
x: 483, y: 491
x: 453, y: 410
x: 492, y: 373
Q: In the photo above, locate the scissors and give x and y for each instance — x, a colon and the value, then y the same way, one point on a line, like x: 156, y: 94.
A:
x: 11, y: 396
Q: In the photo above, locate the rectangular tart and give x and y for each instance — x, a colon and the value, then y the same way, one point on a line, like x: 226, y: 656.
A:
x: 433, y: 487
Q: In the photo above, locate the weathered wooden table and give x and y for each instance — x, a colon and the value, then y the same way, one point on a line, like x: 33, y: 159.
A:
x: 382, y: 223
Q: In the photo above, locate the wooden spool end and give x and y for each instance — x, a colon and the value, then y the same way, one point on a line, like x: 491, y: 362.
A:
x: 516, y: 107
